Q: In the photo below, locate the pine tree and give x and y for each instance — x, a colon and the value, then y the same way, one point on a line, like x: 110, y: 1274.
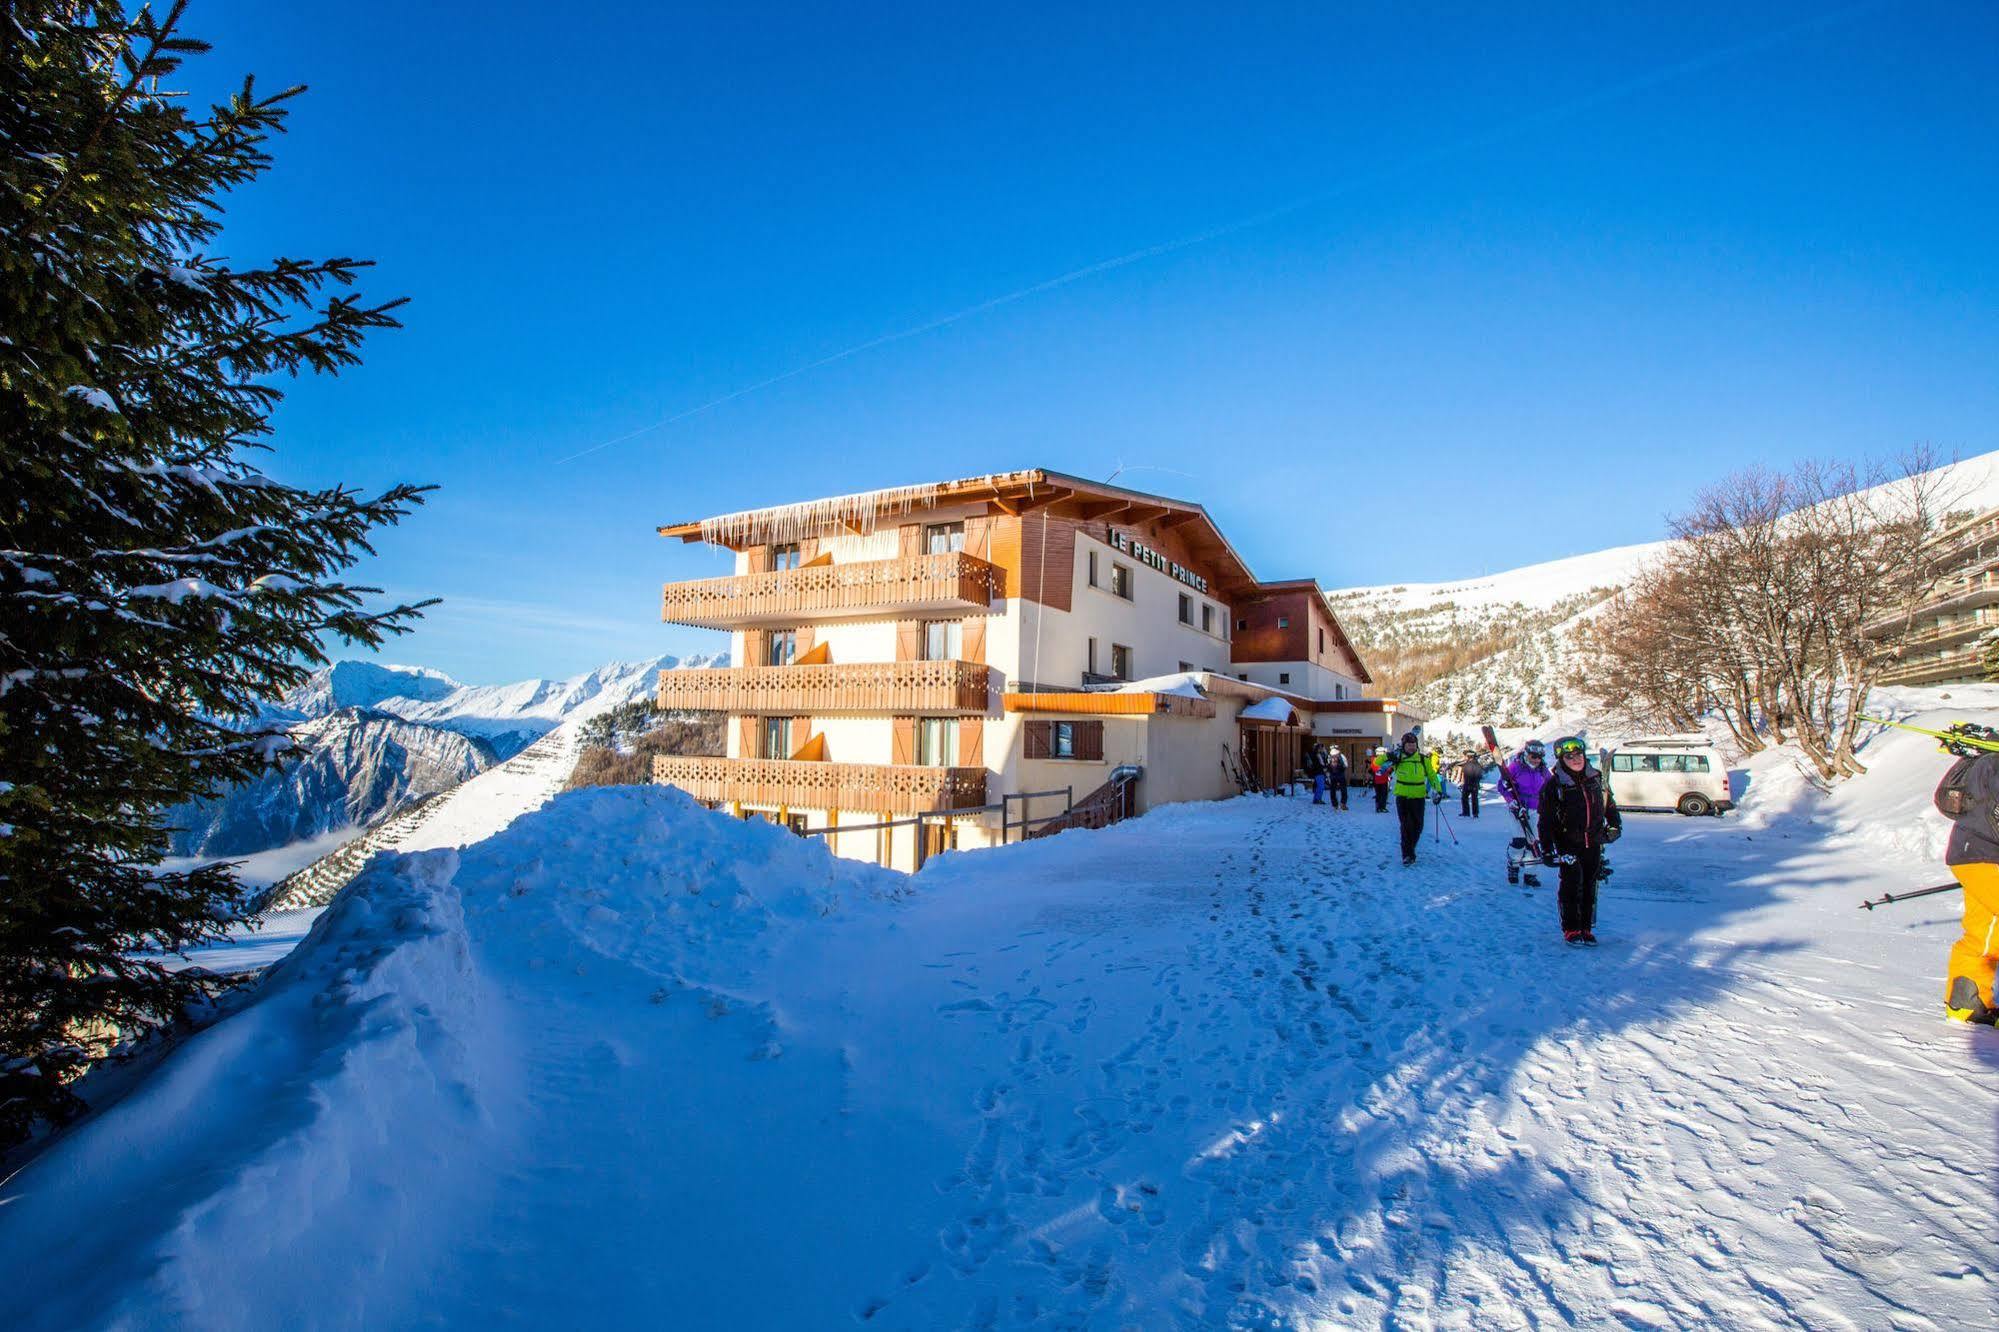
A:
x: 155, y: 585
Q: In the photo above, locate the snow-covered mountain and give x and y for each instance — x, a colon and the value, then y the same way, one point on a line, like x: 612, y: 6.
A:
x: 509, y: 717
x: 381, y: 737
x: 360, y: 766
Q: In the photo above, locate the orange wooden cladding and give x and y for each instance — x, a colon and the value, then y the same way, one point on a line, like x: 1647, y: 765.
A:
x: 873, y: 788
x: 971, y: 743
x: 1108, y: 704
x: 857, y: 589
x: 855, y: 687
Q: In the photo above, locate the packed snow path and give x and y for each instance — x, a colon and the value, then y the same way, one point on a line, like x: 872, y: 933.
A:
x: 1225, y: 1066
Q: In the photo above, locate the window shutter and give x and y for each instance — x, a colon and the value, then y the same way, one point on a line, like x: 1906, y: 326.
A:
x: 1034, y: 739
x: 808, y: 550
x: 909, y: 539
x: 971, y: 743
x: 974, y: 645
x: 803, y: 642
x: 759, y: 559
x: 746, y: 738
x: 903, y: 737
x: 979, y: 537
x: 908, y: 640
x: 1089, y: 740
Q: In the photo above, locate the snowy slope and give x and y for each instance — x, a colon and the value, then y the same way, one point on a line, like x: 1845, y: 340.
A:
x: 1495, y: 647
x: 1226, y: 1065
x: 359, y: 767
x: 508, y: 716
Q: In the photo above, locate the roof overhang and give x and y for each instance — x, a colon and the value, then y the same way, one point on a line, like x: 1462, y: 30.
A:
x: 1058, y: 494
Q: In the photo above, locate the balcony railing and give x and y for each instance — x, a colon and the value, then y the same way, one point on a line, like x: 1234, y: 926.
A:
x: 1963, y: 593
x: 1975, y: 623
x: 857, y: 590
x: 871, y: 788
x: 1936, y: 668
x: 881, y: 688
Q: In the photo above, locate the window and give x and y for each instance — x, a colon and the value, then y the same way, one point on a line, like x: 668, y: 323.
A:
x: 1241, y: 675
x: 782, y: 647
x: 1339, y: 691
x: 943, y: 538
x: 1092, y: 667
x: 1121, y: 661
x: 1186, y: 666
x: 1121, y: 580
x: 1620, y: 763
x: 943, y: 640
x: 937, y: 741
x: 1186, y: 609
x: 1063, y: 740
x: 777, y: 737
x: 1241, y: 625
x: 784, y: 556
x: 1207, y: 618
x: 1284, y: 677
x: 1284, y: 622
x: 1322, y: 642
x: 1093, y: 568
x: 1695, y: 762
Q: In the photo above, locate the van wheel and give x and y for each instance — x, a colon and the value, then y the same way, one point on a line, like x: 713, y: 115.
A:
x: 1694, y: 805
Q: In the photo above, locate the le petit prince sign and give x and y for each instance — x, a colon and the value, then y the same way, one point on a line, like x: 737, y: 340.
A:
x: 1144, y: 554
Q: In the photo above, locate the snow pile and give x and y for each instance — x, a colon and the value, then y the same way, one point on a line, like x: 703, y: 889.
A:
x: 352, y: 1109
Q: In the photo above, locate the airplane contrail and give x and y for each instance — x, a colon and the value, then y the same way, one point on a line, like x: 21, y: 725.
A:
x: 1458, y: 147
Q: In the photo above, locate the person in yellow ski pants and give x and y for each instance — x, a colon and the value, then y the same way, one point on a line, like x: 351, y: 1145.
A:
x: 1968, y: 991
x: 1968, y: 796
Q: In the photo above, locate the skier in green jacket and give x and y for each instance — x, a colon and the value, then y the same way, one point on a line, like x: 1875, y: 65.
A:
x: 1415, y: 780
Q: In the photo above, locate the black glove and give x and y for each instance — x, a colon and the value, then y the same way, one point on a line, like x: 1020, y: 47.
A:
x: 1611, y: 832
x: 1550, y: 859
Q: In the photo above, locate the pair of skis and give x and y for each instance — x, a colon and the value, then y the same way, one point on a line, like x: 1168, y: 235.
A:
x: 1524, y: 850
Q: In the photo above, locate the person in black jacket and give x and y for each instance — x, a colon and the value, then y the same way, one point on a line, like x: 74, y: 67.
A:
x: 1578, y: 816
x: 1336, y: 778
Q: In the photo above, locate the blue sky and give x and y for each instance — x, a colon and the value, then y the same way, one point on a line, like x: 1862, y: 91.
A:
x: 1475, y: 285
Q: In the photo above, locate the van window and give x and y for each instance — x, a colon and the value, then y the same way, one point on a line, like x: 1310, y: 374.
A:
x: 1645, y: 762
x: 1696, y: 763
x: 1620, y: 763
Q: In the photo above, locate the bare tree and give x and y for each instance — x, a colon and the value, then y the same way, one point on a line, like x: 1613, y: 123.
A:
x: 1777, y: 606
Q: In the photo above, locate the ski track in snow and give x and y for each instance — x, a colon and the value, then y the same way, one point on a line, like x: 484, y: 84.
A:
x: 1226, y: 1066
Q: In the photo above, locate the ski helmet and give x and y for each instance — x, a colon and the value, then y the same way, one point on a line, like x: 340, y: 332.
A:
x: 1571, y: 744
x: 1534, y: 749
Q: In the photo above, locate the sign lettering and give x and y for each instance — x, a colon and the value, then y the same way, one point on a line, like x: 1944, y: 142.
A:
x: 1144, y: 554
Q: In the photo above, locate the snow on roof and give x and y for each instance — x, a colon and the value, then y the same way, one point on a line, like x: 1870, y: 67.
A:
x: 1184, y: 684
x: 1270, y: 709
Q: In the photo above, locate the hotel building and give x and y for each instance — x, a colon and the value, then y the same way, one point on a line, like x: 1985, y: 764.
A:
x: 1942, y: 642
x: 945, y: 650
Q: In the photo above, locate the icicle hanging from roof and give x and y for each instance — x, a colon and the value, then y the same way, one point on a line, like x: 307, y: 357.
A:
x: 809, y: 518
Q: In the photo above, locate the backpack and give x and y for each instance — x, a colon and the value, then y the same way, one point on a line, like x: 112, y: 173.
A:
x: 1953, y: 794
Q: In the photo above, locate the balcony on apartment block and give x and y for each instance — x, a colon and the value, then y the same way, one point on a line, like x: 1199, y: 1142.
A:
x: 869, y: 788
x: 857, y: 590
x: 1936, y: 667
x: 865, y: 687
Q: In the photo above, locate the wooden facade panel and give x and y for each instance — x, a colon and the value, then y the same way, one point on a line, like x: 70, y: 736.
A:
x: 1258, y: 636
x: 971, y: 743
x: 973, y: 645
x: 902, y: 740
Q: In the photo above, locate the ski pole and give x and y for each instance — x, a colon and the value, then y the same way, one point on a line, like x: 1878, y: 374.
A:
x: 1886, y: 898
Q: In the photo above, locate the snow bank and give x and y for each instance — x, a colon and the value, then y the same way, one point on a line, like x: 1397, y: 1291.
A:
x: 352, y: 1109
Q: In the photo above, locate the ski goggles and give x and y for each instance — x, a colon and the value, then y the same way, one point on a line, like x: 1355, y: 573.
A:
x: 1568, y: 745
x: 1535, y: 747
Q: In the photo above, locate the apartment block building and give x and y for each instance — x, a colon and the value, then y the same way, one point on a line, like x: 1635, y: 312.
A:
x: 944, y: 649
x: 1941, y: 643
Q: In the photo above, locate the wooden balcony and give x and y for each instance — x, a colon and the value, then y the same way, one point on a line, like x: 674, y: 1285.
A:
x: 859, y: 590
x: 870, y: 788
x: 867, y: 687
x: 1965, y: 664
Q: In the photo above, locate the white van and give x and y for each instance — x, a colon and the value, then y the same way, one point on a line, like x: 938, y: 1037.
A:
x: 1685, y: 773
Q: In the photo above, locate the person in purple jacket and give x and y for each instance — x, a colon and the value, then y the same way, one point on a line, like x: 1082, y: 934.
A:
x: 1527, y: 772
